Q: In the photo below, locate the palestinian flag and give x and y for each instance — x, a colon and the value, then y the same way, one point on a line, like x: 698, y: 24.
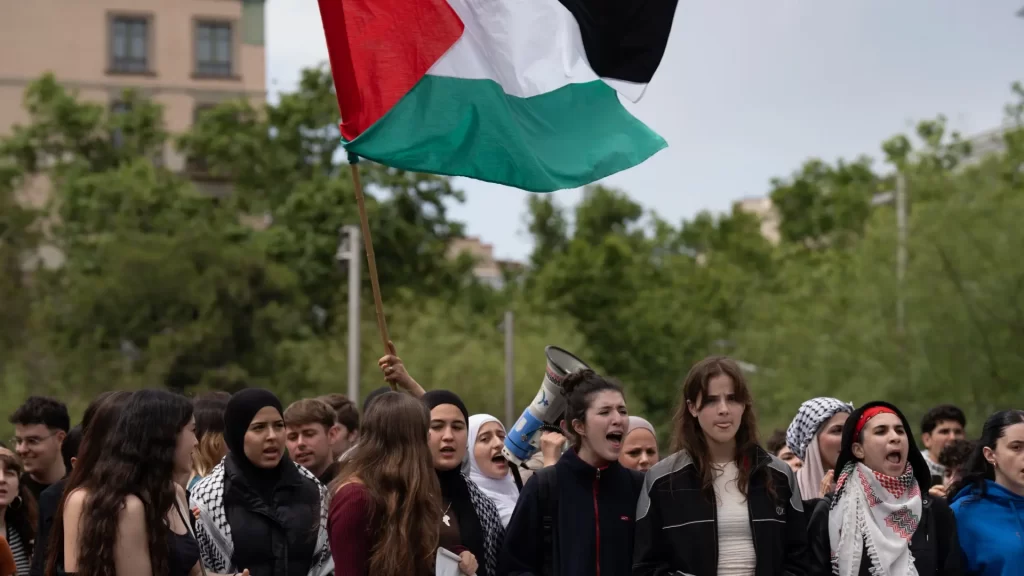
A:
x: 518, y: 92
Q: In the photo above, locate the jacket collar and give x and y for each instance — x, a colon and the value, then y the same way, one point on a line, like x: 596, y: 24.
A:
x: 581, y: 469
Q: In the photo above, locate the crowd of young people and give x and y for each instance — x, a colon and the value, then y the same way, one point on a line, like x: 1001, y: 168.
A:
x: 153, y: 483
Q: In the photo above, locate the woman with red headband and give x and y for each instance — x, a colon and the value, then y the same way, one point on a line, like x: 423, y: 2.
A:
x: 881, y: 521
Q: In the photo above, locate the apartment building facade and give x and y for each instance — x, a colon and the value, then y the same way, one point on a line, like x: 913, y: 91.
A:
x: 184, y: 54
x: 487, y: 269
x: 764, y: 209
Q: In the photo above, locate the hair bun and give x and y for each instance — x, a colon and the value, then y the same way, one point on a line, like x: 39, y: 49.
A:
x: 574, y: 379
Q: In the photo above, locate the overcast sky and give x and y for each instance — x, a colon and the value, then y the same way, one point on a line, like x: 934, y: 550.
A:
x: 749, y: 89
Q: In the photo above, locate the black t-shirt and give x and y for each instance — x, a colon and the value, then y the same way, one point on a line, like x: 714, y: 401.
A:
x: 34, y: 487
x: 49, y: 501
x: 330, y: 474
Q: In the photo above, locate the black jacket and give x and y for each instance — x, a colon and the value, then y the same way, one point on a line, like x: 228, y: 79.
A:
x: 677, y: 532
x: 49, y: 500
x: 583, y: 494
x: 277, y: 539
x: 935, y: 546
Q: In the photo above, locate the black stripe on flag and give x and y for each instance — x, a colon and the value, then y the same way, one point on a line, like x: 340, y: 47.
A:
x: 624, y: 39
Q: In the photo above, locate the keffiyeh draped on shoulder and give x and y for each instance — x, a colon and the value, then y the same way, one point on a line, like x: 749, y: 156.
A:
x: 490, y: 522
x: 878, y: 513
x: 213, y: 531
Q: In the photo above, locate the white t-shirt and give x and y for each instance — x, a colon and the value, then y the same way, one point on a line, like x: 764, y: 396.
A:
x: 736, y: 556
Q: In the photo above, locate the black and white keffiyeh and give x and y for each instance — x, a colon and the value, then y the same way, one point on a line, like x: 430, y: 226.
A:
x: 490, y: 522
x: 213, y: 531
x: 812, y: 414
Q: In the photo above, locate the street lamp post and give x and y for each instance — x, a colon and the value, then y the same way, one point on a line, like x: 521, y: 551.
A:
x: 899, y: 198
x: 507, y: 326
x: 349, y: 243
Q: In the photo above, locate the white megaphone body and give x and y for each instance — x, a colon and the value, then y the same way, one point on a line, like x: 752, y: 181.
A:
x: 547, y: 408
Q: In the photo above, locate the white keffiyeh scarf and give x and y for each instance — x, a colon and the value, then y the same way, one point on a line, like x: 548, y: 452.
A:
x: 877, y: 512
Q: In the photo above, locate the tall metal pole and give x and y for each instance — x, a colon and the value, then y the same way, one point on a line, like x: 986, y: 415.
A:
x: 354, y: 289
x: 901, y: 248
x: 510, y: 396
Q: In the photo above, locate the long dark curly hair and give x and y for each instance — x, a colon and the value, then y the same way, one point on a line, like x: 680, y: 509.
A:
x: 98, y: 423
x: 138, y: 459
x: 394, y: 464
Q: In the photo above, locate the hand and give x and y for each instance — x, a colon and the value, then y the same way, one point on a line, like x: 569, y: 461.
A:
x: 467, y: 563
x: 392, y: 367
x: 938, y: 491
x: 826, y: 483
x: 551, y: 444
x: 395, y: 373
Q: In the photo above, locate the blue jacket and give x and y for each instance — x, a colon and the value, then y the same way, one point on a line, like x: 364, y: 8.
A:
x: 991, y: 530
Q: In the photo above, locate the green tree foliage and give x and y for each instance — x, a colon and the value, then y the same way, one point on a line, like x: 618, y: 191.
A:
x: 164, y: 283
x: 286, y: 160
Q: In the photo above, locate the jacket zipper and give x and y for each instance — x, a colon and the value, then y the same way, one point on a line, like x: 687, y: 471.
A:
x: 597, y: 520
x: 714, y: 528
x: 750, y: 516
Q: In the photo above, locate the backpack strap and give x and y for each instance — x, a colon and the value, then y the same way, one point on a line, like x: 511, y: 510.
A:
x: 517, y: 478
x: 548, y: 485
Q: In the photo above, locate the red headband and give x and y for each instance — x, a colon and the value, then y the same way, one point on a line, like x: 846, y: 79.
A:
x: 868, y: 415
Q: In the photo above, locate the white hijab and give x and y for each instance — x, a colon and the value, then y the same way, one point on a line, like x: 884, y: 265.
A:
x: 502, y: 492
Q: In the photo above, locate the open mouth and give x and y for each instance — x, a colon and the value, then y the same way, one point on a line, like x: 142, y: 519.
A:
x: 499, y: 459
x: 271, y: 452
x: 615, y: 438
x: 448, y: 450
x: 894, y: 457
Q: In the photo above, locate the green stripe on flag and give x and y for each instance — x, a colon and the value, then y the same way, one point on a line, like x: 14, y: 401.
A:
x: 567, y: 138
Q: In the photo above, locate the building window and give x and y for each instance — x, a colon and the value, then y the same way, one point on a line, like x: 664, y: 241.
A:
x: 129, y: 44
x: 214, y: 49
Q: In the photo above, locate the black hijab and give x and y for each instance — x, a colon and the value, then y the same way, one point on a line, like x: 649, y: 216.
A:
x: 241, y: 409
x: 914, y: 456
x: 454, y: 486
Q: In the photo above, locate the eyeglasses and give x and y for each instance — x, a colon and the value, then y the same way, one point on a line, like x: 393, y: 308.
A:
x: 31, y: 441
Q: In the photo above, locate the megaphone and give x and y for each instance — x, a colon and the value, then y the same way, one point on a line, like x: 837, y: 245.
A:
x: 547, y: 408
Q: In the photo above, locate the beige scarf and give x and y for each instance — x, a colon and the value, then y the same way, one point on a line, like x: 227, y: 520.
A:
x: 810, y: 475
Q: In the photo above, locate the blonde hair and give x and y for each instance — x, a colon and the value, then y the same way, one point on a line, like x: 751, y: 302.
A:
x: 209, y: 453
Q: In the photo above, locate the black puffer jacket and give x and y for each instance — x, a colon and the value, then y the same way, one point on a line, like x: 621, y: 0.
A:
x: 934, y: 545
x: 677, y: 528
x: 278, y: 539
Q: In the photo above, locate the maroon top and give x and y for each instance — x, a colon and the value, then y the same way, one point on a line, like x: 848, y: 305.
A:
x: 348, y: 527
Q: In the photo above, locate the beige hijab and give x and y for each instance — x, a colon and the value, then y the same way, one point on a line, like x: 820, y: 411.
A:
x: 811, y: 474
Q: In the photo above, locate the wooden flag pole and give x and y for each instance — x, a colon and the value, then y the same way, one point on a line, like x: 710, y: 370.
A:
x: 364, y: 222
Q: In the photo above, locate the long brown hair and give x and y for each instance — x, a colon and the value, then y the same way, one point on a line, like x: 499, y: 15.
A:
x: 394, y: 464
x: 24, y: 515
x: 688, y: 435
